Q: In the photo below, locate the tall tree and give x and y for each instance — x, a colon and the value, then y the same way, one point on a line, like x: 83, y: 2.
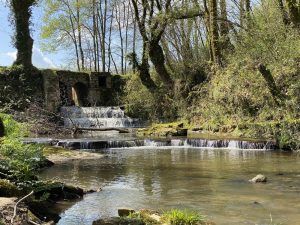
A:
x: 23, y: 41
x: 214, y: 31
x: 151, y: 31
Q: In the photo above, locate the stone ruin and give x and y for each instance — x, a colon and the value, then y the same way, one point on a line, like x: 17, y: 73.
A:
x: 67, y: 88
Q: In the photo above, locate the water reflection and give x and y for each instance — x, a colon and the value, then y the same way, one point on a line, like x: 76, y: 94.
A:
x: 213, y: 182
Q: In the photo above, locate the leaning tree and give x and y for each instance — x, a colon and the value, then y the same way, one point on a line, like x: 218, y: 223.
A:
x: 21, y: 13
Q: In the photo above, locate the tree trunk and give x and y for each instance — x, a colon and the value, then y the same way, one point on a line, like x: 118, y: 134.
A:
x: 2, y: 131
x: 207, y: 26
x: 23, y: 41
x: 283, y: 12
x: 95, y: 39
x: 143, y: 70
x: 224, y: 26
x: 214, y: 33
x: 242, y: 13
x: 275, y: 92
x: 294, y: 10
x: 158, y: 59
x: 79, y: 34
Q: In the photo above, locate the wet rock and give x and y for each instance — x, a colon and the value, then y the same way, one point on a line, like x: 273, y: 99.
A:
x: 180, y: 132
x: 59, y: 191
x: 44, y: 210
x: 125, y: 212
x: 260, y: 178
x: 1, y: 128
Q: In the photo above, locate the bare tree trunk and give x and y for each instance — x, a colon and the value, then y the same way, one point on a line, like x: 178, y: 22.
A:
x: 242, y: 13
x: 79, y: 34
x: 118, y: 19
x: 75, y: 42
x: 95, y: 35
x: 224, y: 26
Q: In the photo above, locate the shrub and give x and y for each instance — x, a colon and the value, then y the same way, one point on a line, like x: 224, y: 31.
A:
x: 160, y: 106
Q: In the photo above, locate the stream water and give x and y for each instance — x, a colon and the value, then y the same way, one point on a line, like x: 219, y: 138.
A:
x: 213, y: 182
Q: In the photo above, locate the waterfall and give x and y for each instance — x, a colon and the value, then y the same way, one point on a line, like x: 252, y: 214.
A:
x: 97, y: 117
x: 174, y: 143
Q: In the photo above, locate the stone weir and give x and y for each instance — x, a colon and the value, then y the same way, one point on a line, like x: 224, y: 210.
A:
x: 97, y: 117
x: 95, y: 144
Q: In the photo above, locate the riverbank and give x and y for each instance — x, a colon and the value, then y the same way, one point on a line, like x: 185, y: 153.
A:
x: 283, y: 133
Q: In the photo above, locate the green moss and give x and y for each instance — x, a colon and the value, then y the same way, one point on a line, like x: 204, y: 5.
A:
x: 56, y: 150
x: 165, y: 129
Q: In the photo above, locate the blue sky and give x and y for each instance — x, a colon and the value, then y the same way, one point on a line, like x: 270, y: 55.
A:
x: 8, y: 52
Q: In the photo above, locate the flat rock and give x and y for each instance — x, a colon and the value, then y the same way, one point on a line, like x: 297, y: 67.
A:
x: 7, y: 201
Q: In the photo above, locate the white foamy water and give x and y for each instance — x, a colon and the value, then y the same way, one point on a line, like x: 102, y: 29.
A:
x: 97, y: 117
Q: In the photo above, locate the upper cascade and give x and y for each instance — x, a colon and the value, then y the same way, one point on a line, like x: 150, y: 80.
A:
x: 97, y: 117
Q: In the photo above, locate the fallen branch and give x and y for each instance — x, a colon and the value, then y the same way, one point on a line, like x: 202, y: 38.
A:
x: 16, y: 206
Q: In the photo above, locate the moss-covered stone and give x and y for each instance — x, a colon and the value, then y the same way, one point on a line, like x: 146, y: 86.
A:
x: 8, y: 189
x: 165, y: 130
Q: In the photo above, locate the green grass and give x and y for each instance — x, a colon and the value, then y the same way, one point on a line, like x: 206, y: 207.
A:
x: 182, y: 217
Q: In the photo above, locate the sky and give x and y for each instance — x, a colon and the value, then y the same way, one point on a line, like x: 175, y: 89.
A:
x: 8, y: 52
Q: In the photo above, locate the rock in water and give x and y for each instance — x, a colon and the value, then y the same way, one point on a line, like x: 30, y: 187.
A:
x: 125, y: 212
x: 1, y: 128
x: 259, y: 179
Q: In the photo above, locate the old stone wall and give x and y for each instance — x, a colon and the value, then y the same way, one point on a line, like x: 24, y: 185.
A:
x: 65, y: 88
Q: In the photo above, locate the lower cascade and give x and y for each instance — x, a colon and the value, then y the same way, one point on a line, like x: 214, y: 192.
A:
x: 95, y: 144
x: 97, y: 117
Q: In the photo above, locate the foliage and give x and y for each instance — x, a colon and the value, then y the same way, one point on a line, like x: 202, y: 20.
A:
x: 27, y: 80
x: 237, y: 100
x: 159, y: 106
x: 22, y: 160
x: 13, y: 129
x: 182, y: 217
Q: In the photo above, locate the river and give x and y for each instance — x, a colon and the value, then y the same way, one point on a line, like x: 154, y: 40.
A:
x: 213, y: 182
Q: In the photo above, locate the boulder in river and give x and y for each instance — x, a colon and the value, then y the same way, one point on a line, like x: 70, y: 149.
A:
x: 260, y: 178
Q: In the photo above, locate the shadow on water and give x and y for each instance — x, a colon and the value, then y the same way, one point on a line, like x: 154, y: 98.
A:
x: 213, y: 182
